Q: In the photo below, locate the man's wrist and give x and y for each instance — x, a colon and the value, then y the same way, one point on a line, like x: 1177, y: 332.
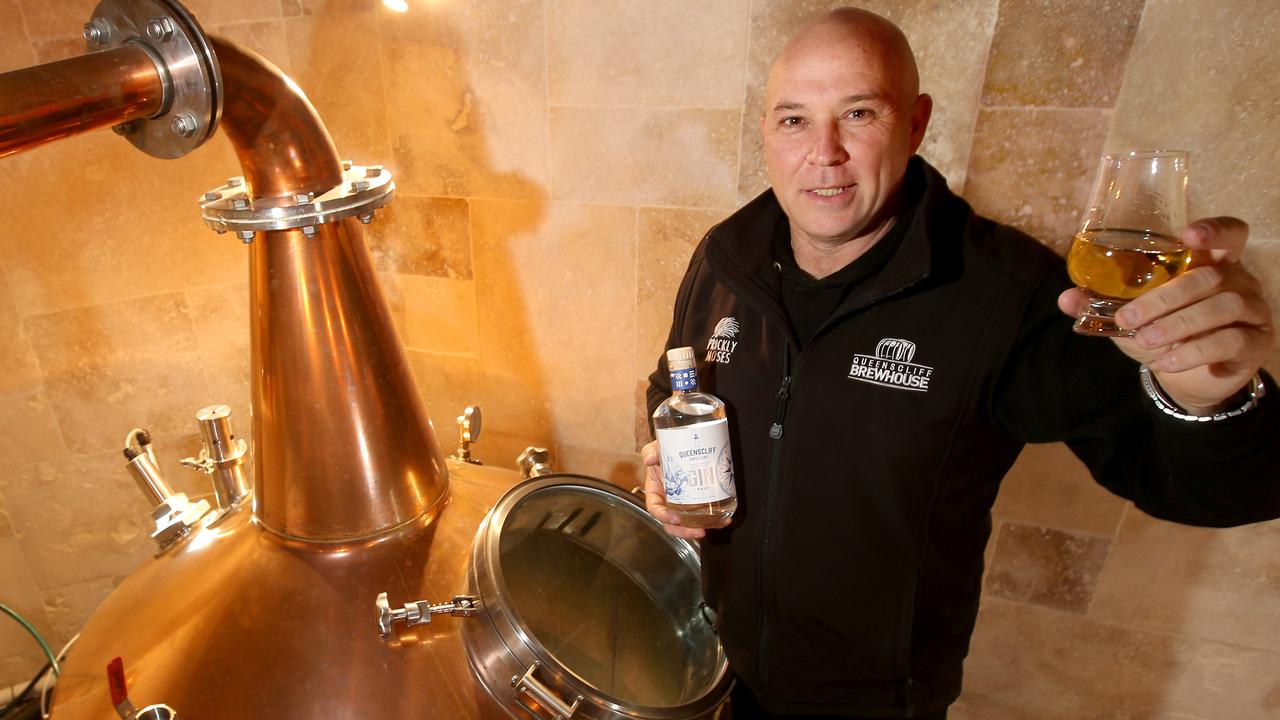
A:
x: 1242, y: 402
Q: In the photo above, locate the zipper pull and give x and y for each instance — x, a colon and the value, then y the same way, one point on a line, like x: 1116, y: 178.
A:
x: 784, y: 395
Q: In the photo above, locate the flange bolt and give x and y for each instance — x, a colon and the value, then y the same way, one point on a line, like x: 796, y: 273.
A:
x: 97, y: 32
x: 183, y: 125
x: 160, y: 29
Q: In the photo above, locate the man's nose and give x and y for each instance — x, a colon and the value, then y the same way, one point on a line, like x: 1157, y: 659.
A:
x: 827, y: 149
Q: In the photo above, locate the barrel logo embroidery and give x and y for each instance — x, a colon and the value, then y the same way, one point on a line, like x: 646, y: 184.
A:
x: 721, y: 345
x: 891, y: 366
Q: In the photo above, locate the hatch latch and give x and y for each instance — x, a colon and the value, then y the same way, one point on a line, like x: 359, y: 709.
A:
x: 419, y: 612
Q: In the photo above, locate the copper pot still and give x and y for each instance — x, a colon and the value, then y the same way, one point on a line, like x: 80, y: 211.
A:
x: 360, y: 574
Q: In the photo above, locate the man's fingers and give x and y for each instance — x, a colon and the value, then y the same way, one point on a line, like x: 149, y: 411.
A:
x: 1216, y: 311
x: 1072, y: 301
x: 1234, y: 345
x: 1222, y: 239
x: 1193, y: 286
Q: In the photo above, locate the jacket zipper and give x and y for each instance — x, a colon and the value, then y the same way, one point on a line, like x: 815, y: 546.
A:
x: 775, y: 432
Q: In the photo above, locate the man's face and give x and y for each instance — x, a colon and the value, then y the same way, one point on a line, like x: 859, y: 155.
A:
x: 837, y: 136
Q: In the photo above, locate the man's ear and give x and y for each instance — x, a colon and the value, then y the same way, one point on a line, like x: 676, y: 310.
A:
x: 920, y: 113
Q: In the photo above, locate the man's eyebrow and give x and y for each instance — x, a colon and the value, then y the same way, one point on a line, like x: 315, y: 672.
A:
x: 861, y: 97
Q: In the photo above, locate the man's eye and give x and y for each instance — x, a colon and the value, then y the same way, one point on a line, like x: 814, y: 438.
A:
x: 859, y: 114
x: 789, y: 122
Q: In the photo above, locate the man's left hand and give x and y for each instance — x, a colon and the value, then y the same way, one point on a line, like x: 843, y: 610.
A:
x: 1206, y: 332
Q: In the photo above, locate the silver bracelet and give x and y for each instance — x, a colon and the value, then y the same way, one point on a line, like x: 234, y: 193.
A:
x: 1256, y: 389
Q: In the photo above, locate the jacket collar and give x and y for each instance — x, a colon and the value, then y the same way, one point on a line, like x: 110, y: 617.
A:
x: 739, y: 251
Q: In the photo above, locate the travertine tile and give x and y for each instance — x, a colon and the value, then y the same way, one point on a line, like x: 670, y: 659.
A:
x: 65, y: 18
x: 1052, y: 54
x: 221, y: 12
x: 500, y: 449
x: 69, y: 606
x: 448, y: 384
x: 343, y: 85
x: 124, y: 224
x: 58, y: 49
x: 669, y: 53
x: 641, y: 415
x: 6, y: 525
x: 1201, y: 77
x: 666, y: 239
x: 1050, y: 487
x: 950, y: 40
x: 18, y: 367
x: 621, y: 469
x: 18, y: 669
x: 1033, y: 169
x: 15, y: 51
x: 20, y: 654
x: 1224, y: 681
x: 78, y: 519
x: 435, y: 314
x: 466, y: 98
x: 267, y: 38
x: 1033, y: 663
x: 651, y: 156
x: 1197, y: 582
x: 557, y: 331
x: 111, y: 367
x: 28, y: 430
x: 1046, y: 567
x: 422, y: 236
x: 220, y: 316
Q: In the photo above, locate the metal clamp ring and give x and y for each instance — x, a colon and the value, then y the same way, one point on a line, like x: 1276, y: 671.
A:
x: 364, y: 189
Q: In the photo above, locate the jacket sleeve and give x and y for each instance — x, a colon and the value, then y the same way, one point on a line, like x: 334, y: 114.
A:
x: 1058, y: 385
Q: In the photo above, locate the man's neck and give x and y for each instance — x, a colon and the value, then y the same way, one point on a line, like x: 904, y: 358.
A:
x: 820, y: 257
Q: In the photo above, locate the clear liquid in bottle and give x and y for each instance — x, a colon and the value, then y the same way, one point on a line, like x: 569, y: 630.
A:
x: 693, y: 444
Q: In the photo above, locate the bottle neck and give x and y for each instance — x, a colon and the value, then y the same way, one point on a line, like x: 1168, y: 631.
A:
x: 684, y: 380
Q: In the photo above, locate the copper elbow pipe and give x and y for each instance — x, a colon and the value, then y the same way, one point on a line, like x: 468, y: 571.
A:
x: 283, y: 146
x: 343, y: 447
x: 56, y: 100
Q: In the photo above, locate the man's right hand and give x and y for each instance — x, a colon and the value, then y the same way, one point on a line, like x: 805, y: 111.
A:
x: 655, y: 496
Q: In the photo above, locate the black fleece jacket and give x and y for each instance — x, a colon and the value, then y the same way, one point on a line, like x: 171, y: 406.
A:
x: 867, y: 462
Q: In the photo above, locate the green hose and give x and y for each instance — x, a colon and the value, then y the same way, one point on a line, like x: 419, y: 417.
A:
x: 43, y: 645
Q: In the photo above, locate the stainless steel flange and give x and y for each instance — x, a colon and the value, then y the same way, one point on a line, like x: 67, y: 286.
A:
x: 364, y: 189
x: 192, y: 82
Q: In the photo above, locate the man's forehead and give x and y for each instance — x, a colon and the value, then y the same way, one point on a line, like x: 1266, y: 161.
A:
x: 832, y: 74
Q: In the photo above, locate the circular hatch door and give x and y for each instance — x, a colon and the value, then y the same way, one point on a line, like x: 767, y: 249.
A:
x: 589, y: 609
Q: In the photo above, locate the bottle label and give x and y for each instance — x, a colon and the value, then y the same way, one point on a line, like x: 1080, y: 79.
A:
x: 696, y: 464
x: 684, y: 379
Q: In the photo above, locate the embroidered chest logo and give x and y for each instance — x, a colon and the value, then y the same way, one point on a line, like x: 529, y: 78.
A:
x: 722, y: 343
x: 891, y: 366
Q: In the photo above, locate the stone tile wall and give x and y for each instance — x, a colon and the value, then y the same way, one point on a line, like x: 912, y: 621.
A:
x: 557, y: 161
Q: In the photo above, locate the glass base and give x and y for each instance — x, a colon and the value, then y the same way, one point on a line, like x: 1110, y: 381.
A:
x: 1099, y: 318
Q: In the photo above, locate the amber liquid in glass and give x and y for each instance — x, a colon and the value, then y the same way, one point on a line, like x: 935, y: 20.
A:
x: 1123, y: 264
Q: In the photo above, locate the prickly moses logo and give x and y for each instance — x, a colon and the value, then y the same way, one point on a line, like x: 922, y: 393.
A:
x: 892, y: 367
x: 722, y: 344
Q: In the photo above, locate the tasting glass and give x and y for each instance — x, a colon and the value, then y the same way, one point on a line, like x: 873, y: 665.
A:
x: 1129, y: 241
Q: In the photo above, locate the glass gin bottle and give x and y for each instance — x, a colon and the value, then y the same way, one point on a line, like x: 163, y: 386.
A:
x: 693, y: 443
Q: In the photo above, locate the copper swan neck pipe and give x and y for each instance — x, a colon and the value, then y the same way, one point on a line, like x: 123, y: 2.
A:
x: 282, y: 144
x: 60, y: 99
x: 343, y: 448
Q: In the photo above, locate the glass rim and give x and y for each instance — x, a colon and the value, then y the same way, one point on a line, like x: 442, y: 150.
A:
x: 1120, y: 154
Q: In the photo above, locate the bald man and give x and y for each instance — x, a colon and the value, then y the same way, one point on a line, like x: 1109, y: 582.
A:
x: 890, y: 354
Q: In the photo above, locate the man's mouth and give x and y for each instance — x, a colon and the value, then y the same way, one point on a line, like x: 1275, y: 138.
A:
x: 830, y: 191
